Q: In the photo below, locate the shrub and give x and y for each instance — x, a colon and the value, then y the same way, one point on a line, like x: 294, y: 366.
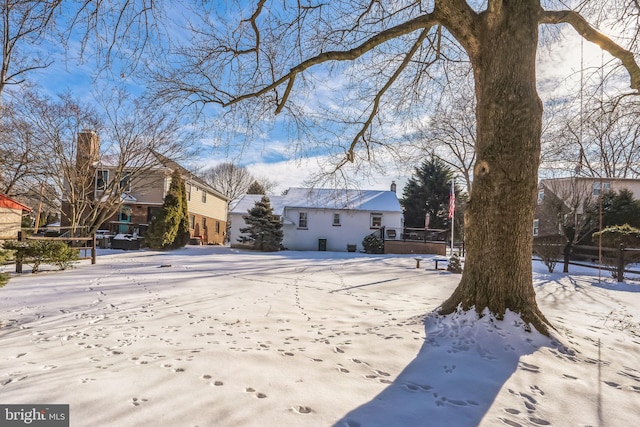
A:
x: 455, y: 265
x: 373, y: 245
x: 613, y: 236
x: 4, y: 256
x: 549, y: 249
x: 38, y: 252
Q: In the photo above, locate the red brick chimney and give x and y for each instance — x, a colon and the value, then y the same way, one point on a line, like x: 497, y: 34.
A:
x: 88, y: 149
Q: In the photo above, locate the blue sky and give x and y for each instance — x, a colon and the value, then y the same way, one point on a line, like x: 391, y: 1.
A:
x: 273, y: 155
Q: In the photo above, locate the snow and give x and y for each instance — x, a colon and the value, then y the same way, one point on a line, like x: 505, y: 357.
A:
x: 323, y: 198
x: 211, y: 336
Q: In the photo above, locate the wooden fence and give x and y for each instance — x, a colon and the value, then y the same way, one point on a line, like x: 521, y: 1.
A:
x: 83, y: 245
x: 617, y: 258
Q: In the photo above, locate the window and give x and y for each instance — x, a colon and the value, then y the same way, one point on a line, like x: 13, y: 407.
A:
x: 376, y: 220
x: 336, y: 219
x: 204, y: 223
x: 125, y: 182
x: 217, y: 227
x: 102, y: 179
x: 540, y: 196
x: 536, y: 226
x: 125, y: 214
x: 204, y: 197
x: 606, y: 186
x: 192, y: 221
x: 188, y: 188
x: 303, y: 220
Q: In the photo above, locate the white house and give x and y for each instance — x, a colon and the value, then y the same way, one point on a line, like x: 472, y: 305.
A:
x: 325, y: 219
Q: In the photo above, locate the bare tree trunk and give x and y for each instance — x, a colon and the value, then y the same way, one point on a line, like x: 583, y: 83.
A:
x: 499, y: 215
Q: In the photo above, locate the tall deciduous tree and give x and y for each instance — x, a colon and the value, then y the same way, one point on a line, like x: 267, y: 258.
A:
x: 450, y: 133
x: 231, y: 180
x: 131, y: 135
x: 393, y: 49
x: 22, y: 25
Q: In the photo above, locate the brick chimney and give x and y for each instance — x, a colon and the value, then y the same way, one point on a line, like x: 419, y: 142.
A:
x: 393, y: 186
x: 88, y: 149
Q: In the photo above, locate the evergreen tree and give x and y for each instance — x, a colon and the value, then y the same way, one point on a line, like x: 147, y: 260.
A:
x: 167, y: 230
x: 256, y: 188
x: 264, y: 230
x: 183, y: 235
x: 620, y: 208
x: 427, y: 191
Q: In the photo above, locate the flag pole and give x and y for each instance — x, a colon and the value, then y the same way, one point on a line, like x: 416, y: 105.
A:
x: 452, y: 209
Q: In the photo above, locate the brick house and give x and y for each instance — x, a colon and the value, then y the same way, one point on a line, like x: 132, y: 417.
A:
x: 565, y: 200
x: 142, y: 195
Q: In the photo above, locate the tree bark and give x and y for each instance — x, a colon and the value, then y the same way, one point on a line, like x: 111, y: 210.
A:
x: 500, y: 212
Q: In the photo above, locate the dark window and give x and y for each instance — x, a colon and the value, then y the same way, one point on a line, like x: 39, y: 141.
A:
x: 102, y: 179
x: 376, y: 220
x: 125, y: 182
x: 303, y: 220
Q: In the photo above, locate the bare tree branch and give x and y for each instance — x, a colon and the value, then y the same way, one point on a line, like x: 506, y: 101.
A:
x: 381, y: 92
x: 594, y: 36
x: 421, y: 22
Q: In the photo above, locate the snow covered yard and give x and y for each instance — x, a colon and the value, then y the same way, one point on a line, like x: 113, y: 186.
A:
x: 209, y: 336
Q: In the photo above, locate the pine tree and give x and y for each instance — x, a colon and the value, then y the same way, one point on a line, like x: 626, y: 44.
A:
x: 620, y: 208
x: 168, y: 229
x: 256, y: 188
x: 263, y: 228
x: 427, y: 191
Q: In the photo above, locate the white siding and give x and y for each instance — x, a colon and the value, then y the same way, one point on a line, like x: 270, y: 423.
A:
x: 354, y: 227
x: 355, y: 223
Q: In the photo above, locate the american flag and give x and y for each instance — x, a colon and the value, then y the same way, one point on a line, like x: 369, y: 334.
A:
x: 452, y: 201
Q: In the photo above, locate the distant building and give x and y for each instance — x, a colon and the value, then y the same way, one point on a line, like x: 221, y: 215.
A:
x: 11, y: 213
x: 565, y: 200
x: 325, y: 219
x: 143, y: 197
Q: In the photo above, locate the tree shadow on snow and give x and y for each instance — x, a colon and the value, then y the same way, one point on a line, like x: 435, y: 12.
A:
x: 456, y: 375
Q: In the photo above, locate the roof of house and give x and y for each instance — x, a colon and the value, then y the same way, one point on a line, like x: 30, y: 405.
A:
x: 248, y: 201
x: 323, y: 198
x: 8, y: 202
x: 171, y: 164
